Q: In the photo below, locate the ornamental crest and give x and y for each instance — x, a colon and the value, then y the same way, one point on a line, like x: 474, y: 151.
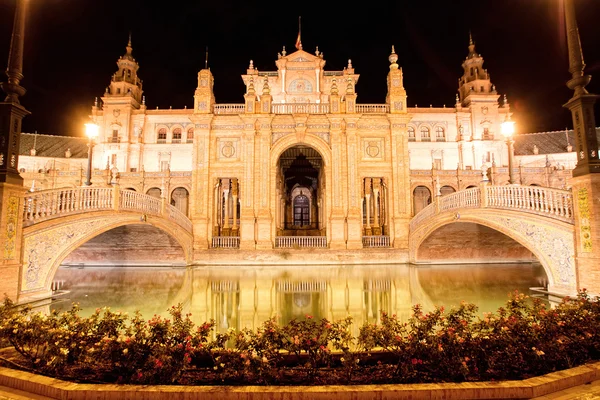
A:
x: 228, y: 150
x: 372, y: 149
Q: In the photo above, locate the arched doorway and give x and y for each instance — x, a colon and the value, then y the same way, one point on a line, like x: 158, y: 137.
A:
x: 421, y: 198
x: 154, y: 192
x: 180, y: 199
x: 444, y: 190
x: 301, y: 192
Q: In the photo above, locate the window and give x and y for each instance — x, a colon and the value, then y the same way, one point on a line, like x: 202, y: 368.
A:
x: 411, y: 134
x: 437, y: 163
x: 118, y: 91
x: 115, y: 136
x: 164, y: 166
x: 132, y: 169
x: 190, y: 135
x: 301, y: 210
x: 487, y: 135
x: 113, y: 160
x: 162, y: 135
x: 425, y: 134
x: 440, y: 134
x: 176, y: 135
x: 481, y: 88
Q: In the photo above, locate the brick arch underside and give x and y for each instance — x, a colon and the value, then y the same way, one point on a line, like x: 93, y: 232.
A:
x: 550, y: 241
x: 46, y: 245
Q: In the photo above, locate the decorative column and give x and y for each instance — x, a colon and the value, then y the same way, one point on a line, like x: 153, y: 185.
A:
x: 11, y: 183
x: 376, y: 189
x: 234, y: 197
x: 585, y: 183
x: 225, y: 202
x: 368, y: 231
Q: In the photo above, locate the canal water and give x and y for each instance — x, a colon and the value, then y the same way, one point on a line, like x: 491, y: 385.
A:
x: 245, y: 296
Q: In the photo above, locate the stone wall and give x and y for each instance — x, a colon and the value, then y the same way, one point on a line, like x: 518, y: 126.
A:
x: 129, y: 245
x: 469, y: 242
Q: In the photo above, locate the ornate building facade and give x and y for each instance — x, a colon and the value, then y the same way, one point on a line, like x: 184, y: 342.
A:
x: 300, y: 163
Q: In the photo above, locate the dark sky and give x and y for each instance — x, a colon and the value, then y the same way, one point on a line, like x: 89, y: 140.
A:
x: 71, y: 47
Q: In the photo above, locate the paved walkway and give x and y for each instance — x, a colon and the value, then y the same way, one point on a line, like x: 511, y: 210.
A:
x: 582, y: 392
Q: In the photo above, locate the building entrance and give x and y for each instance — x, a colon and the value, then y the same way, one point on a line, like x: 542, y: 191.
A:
x: 301, y: 189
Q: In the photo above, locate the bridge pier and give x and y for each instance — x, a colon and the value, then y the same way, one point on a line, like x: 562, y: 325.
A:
x: 11, y: 237
x: 586, y: 207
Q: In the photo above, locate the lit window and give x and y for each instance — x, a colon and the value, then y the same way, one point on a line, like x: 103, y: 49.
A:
x: 162, y: 135
x: 177, y: 135
x: 411, y: 133
x: 439, y: 134
x: 425, y: 134
x: 190, y: 135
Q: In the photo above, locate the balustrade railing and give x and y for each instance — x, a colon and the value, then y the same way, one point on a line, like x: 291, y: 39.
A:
x: 539, y: 200
x: 292, y: 242
x: 300, y: 108
x: 463, y: 199
x: 48, y: 204
x: 226, y: 242
x: 553, y: 203
x: 372, y: 108
x: 229, y: 108
x: 376, y: 241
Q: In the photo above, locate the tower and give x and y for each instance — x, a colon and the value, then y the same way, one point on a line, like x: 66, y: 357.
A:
x: 480, y: 124
x: 121, y: 129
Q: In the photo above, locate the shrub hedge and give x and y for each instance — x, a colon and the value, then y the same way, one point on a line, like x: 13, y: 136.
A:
x: 521, y: 340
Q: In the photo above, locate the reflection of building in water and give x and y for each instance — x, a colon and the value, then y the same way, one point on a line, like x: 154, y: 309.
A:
x: 377, y: 297
x: 225, y: 301
x: 296, y: 299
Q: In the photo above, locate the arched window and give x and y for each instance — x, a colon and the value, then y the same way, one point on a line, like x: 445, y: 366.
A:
x: 425, y: 134
x: 301, y: 210
x: 190, y: 135
x: 176, y: 135
x: 440, y: 135
x: 411, y: 133
x: 162, y: 135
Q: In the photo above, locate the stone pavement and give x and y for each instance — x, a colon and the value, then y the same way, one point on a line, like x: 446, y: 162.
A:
x: 582, y: 392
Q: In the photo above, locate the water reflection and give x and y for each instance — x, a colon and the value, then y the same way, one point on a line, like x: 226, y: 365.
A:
x: 238, y: 297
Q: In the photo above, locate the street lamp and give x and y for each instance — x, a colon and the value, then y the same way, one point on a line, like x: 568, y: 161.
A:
x: 91, y: 131
x: 508, y: 129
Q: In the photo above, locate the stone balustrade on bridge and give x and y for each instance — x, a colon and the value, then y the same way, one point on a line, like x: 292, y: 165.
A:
x: 56, y: 203
x: 543, y: 201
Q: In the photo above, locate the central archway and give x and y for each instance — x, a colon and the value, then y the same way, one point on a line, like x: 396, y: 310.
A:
x: 301, y: 192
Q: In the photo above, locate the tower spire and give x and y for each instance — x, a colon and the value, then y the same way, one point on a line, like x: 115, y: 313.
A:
x: 206, y: 59
x: 298, y: 39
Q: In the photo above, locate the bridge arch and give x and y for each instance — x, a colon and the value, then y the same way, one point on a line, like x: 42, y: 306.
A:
x: 550, y: 240
x: 47, y: 244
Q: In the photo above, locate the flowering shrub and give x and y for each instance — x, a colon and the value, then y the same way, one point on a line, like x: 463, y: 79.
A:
x: 520, y: 340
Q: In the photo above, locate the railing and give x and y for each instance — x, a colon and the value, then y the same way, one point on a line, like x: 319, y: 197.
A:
x: 372, y: 108
x: 226, y: 242
x: 539, y: 200
x: 467, y: 198
x: 300, y: 108
x: 553, y: 203
x: 130, y: 200
x: 376, y: 241
x: 49, y: 204
x: 229, y: 108
x: 293, y: 242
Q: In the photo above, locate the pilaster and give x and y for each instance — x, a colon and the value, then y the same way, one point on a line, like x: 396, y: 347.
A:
x: 11, y: 237
x: 262, y: 192
x: 201, y: 187
x: 586, y: 208
x: 400, y: 182
x: 247, y: 189
x: 352, y: 187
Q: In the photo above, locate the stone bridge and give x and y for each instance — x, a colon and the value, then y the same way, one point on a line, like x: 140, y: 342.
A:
x: 539, y: 218
x: 55, y: 222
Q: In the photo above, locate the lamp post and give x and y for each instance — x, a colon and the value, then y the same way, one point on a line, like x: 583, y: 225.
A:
x: 508, y: 129
x: 91, y: 131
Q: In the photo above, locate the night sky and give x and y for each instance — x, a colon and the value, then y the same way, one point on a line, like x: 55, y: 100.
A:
x: 71, y: 47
